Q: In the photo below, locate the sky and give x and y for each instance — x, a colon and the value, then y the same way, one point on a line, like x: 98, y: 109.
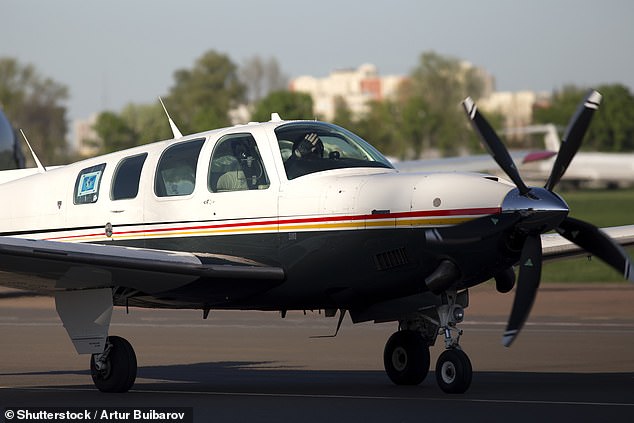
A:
x: 111, y: 53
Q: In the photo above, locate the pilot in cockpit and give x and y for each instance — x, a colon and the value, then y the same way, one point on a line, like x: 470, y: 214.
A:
x: 310, y: 146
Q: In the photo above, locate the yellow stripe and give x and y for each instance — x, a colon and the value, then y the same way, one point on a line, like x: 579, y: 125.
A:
x: 356, y: 224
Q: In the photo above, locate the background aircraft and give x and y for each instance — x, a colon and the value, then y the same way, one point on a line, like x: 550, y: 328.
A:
x: 290, y: 216
x: 591, y: 169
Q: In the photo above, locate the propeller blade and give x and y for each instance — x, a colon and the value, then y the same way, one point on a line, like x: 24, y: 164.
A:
x: 572, y: 138
x: 597, y: 243
x: 473, y: 230
x: 527, y: 284
x: 494, y: 145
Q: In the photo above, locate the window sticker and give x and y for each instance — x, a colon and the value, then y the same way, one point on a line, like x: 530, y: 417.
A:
x: 88, y: 183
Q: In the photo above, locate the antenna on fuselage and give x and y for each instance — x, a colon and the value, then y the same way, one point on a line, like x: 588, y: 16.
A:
x: 39, y: 165
x: 175, y: 130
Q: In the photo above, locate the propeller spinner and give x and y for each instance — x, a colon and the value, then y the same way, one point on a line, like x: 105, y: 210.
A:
x: 542, y: 210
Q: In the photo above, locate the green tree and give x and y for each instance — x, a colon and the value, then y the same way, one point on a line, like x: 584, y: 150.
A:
x: 432, y: 100
x: 34, y: 103
x: 201, y: 97
x: 114, y: 132
x: 148, y: 121
x: 612, y: 127
x: 343, y: 115
x: 289, y: 105
x: 380, y: 126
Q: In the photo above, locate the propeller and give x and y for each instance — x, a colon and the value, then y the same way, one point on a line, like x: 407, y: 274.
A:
x: 527, y: 284
x: 494, y: 145
x: 540, y: 212
x: 572, y: 138
x: 596, y: 242
x: 473, y: 230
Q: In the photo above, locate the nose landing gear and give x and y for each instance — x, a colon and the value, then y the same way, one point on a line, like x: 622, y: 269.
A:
x: 406, y: 356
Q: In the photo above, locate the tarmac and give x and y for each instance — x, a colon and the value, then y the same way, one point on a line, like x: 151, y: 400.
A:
x: 574, y: 360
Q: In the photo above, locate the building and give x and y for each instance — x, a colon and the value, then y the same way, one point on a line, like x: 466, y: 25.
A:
x: 86, y: 142
x: 516, y: 107
x: 355, y: 86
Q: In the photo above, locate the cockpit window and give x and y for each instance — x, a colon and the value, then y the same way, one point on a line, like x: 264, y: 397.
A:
x: 315, y: 147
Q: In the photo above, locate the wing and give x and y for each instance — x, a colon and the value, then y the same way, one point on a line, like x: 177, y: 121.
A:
x: 475, y: 163
x: 50, y: 266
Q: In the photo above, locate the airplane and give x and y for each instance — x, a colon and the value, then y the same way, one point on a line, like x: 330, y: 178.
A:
x: 590, y: 168
x: 290, y: 215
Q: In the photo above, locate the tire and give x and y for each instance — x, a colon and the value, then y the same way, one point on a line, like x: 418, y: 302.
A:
x: 453, y: 371
x: 406, y: 358
x: 119, y: 373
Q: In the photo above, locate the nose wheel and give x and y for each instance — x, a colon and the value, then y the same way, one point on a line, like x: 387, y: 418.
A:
x: 453, y: 371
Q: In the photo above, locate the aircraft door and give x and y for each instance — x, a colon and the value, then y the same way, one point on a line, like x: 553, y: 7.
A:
x: 126, y: 204
x: 242, y: 194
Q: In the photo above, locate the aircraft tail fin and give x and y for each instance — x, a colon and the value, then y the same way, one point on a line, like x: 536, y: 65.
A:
x: 551, y: 138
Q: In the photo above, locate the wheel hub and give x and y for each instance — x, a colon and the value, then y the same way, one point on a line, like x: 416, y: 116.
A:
x: 399, y: 359
x: 448, y: 372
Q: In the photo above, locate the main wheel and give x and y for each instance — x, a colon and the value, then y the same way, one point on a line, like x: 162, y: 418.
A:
x: 119, y: 371
x: 406, y: 358
x: 453, y: 371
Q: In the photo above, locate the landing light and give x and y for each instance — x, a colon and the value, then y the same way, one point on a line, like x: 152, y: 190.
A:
x: 458, y: 314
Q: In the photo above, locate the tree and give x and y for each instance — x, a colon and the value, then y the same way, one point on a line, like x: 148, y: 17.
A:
x: 202, y: 96
x: 114, y: 132
x: 612, y: 127
x: 380, y: 126
x: 262, y: 77
x: 432, y: 98
x: 34, y: 103
x: 148, y: 121
x: 343, y: 115
x: 289, y: 105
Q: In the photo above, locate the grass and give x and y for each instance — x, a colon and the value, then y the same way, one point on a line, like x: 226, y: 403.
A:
x: 601, y: 208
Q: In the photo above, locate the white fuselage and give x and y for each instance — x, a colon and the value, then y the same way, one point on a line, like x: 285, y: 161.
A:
x: 47, y: 205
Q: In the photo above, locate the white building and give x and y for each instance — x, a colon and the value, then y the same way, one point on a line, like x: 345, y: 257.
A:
x: 85, y: 140
x: 355, y: 86
x: 516, y: 107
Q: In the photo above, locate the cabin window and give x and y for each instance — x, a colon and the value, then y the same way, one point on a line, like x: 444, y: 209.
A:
x: 236, y: 165
x: 87, y: 184
x: 176, y: 171
x: 125, y: 183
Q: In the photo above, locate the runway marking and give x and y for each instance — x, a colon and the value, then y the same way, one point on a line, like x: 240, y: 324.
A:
x: 453, y: 399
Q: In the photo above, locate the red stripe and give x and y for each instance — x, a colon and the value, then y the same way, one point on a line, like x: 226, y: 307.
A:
x: 401, y: 215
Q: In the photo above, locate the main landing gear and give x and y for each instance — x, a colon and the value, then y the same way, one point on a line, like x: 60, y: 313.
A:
x: 114, y: 370
x: 406, y: 356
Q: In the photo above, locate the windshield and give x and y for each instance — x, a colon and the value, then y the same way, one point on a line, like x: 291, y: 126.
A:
x: 309, y: 147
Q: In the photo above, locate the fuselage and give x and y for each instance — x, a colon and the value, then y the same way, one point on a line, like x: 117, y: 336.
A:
x: 343, y: 225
